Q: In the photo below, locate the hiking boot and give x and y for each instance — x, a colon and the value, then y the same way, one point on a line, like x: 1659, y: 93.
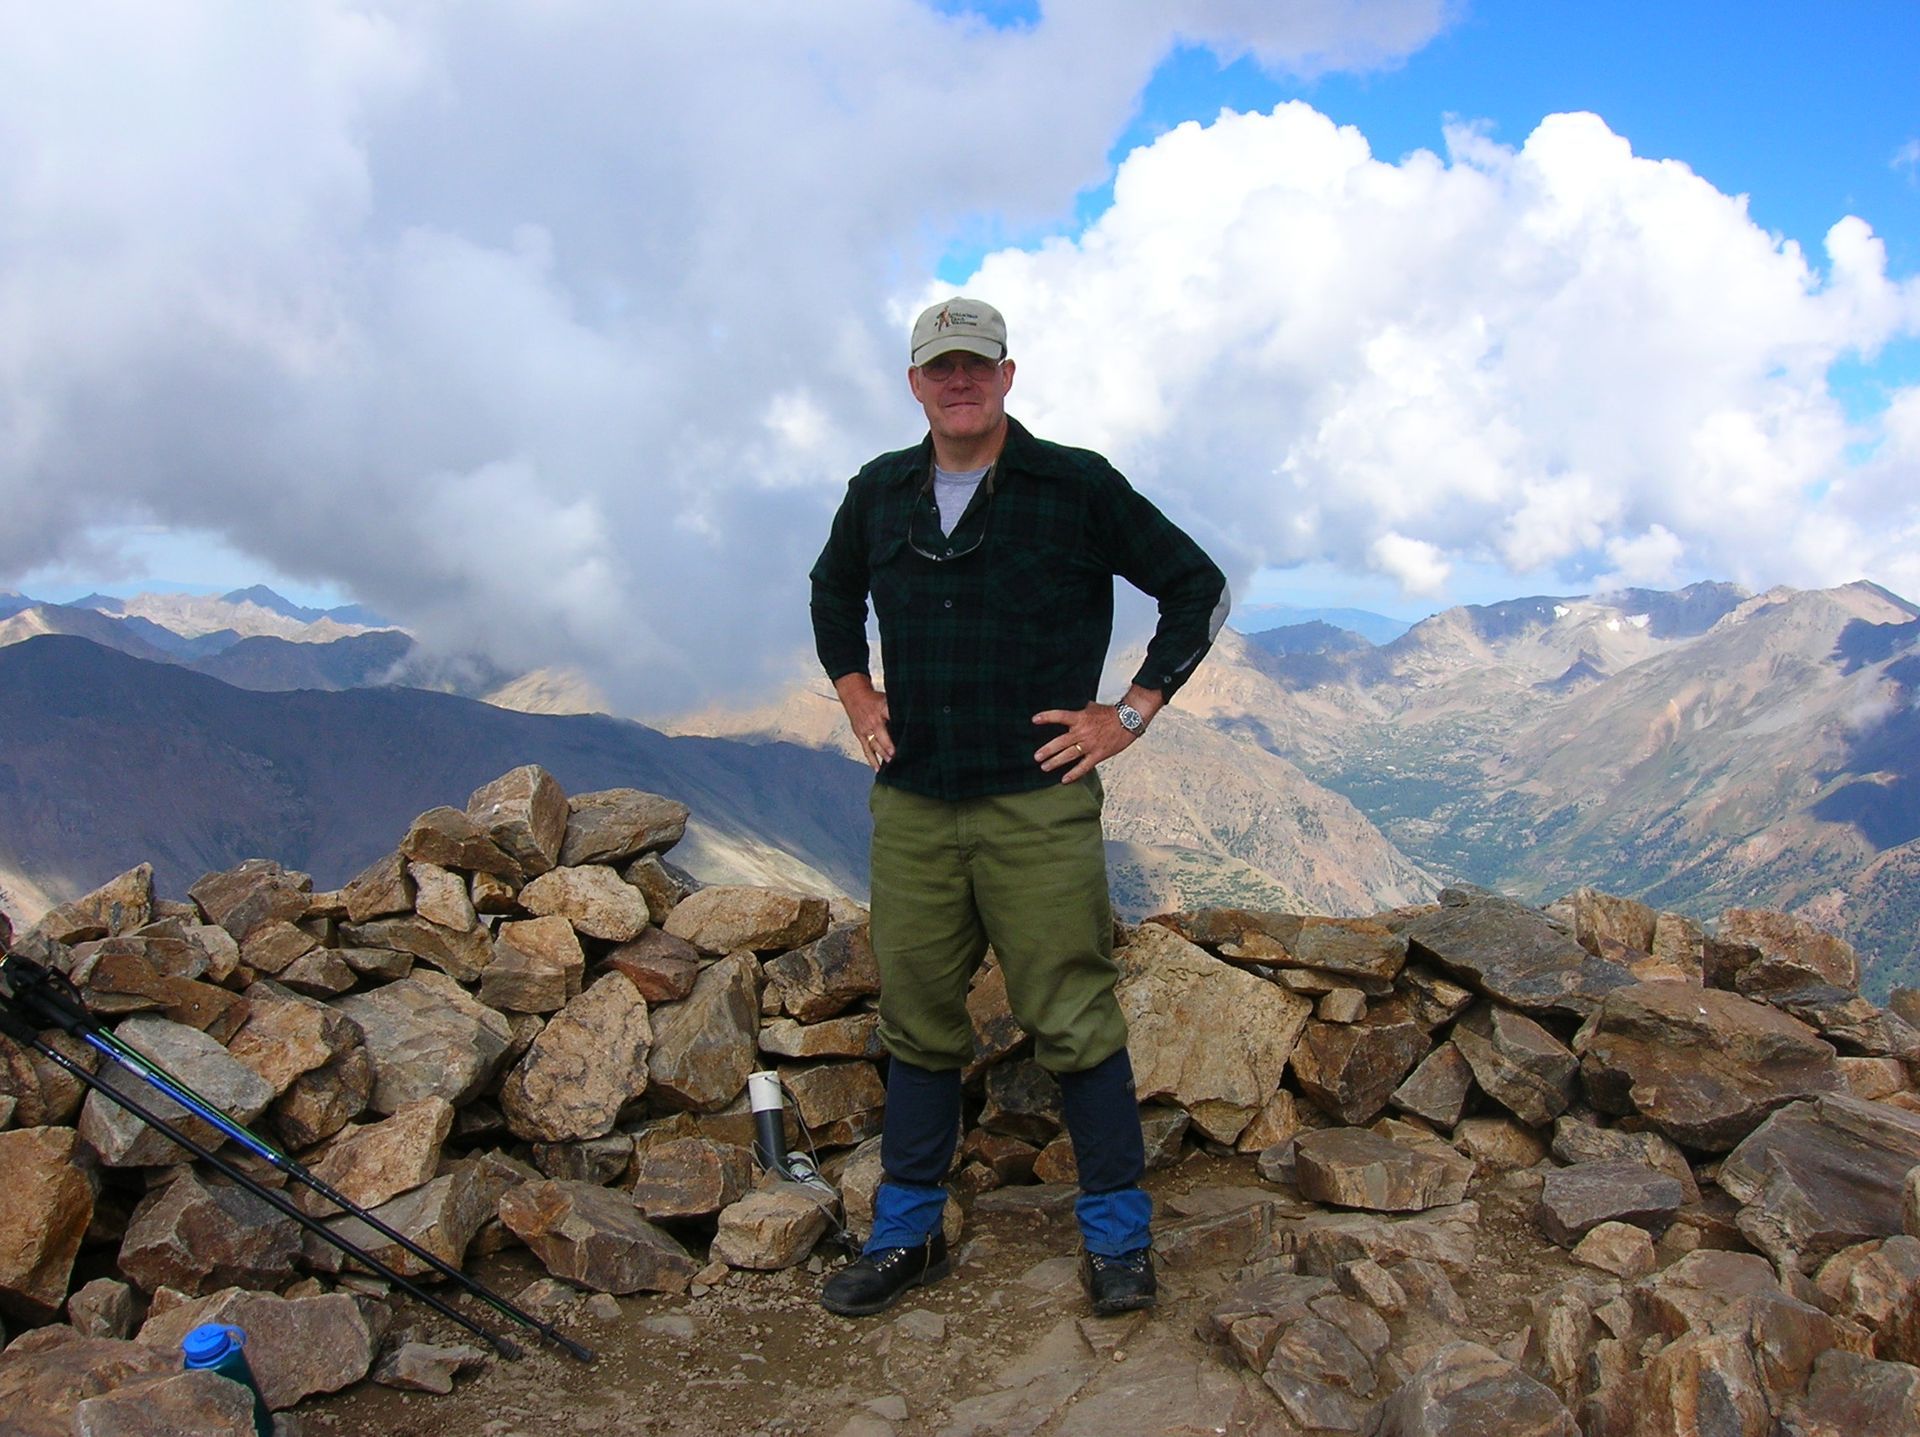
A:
x: 1119, y: 1284
x: 877, y: 1279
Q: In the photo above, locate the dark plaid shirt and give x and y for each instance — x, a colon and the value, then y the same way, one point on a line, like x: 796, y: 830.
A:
x: 1018, y: 622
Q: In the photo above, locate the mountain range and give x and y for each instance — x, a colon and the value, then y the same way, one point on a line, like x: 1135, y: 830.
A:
x: 1699, y: 748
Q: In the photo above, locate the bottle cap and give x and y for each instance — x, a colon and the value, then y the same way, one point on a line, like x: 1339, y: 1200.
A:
x: 210, y: 1342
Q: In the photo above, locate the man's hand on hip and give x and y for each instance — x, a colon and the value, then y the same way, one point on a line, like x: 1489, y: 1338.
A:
x: 1093, y: 734
x: 867, y: 712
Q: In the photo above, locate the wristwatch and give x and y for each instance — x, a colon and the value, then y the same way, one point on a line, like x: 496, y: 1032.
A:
x: 1131, y: 719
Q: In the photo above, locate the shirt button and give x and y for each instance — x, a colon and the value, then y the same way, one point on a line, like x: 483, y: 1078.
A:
x: 946, y: 708
x: 949, y: 603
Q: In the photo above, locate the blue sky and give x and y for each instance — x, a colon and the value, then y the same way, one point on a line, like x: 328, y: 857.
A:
x: 555, y: 330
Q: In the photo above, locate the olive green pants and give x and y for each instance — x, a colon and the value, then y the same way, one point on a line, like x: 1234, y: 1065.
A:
x: 1024, y: 872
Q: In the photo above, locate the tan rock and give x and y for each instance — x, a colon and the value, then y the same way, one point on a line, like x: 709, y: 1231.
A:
x: 427, y: 1367
x: 1350, y: 1070
x: 44, y: 1094
x: 618, y: 824
x: 427, y: 1037
x: 595, y: 1238
x: 442, y: 1217
x: 1619, y: 1248
x: 1437, y: 1089
x: 689, y: 1177
x: 320, y: 1102
x: 525, y: 813
x: 271, y: 945
x: 1785, y: 940
x: 825, y: 977
x: 255, y: 892
x: 449, y: 838
x: 286, y: 1034
x: 1211, y: 1038
x: 47, y: 1373
x: 772, y: 1227
x: 102, y: 1308
x: 1517, y: 1063
x: 660, y: 882
x: 826, y: 1092
x: 297, y: 1347
x: 728, y: 918
x: 537, y: 967
x: 118, y: 906
x: 492, y: 894
x: 383, y: 889
x: 319, y: 973
x: 1466, y: 1390
x: 372, y: 1163
x: 1276, y: 1122
x: 705, y: 1045
x: 663, y: 968
x: 196, y: 1235
x: 586, y: 1065
x: 592, y: 898
x: 462, y: 956
x: 442, y: 897
x: 1498, y: 1144
x: 1352, y: 1167
x: 1704, y: 1066
x: 854, y: 1036
x: 46, y: 1203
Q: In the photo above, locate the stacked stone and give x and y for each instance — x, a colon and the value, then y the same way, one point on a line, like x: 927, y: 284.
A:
x: 525, y: 1026
x: 1717, y: 1124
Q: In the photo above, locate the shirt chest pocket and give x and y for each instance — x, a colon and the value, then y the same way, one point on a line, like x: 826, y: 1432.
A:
x: 1036, y: 583
x: 887, y: 577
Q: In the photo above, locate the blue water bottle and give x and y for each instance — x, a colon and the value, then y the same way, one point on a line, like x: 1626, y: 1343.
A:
x: 222, y: 1349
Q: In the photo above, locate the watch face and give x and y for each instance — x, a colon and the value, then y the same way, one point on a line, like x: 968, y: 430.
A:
x: 1130, y: 718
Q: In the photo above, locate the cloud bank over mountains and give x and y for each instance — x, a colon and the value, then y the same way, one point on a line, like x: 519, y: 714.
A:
x: 557, y: 330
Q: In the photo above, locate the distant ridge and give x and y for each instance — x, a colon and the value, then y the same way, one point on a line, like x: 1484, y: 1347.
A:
x: 356, y: 614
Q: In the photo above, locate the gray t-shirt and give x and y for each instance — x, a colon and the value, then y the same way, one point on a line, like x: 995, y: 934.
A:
x: 953, y: 491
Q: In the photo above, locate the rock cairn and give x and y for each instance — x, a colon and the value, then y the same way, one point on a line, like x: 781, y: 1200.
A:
x: 526, y: 1026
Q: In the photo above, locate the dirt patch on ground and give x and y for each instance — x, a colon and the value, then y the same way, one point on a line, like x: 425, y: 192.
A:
x: 757, y: 1357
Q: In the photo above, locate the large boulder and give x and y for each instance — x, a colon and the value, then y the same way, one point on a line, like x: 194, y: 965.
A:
x: 593, y: 898
x: 1350, y: 1070
x: 1512, y: 953
x: 619, y: 824
x: 1358, y: 1168
x: 200, y: 1064
x: 1704, y: 1066
x: 297, y: 1347
x: 586, y: 1064
x: 428, y: 1038
x: 727, y: 918
x: 1821, y: 1175
x: 197, y: 1234
x: 595, y: 1238
x: 1517, y: 1063
x: 1202, y: 1033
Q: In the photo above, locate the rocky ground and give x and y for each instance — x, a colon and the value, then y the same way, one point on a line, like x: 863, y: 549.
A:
x: 1004, y: 1345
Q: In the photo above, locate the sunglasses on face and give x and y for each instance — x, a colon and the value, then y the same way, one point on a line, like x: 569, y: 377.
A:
x: 974, y: 366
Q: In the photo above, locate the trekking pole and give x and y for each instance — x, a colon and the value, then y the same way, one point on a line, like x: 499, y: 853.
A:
x: 43, y: 998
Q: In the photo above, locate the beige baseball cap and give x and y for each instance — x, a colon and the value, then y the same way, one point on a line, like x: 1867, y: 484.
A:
x: 959, y: 323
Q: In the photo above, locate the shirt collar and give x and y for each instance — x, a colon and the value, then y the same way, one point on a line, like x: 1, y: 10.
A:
x: 1021, y: 454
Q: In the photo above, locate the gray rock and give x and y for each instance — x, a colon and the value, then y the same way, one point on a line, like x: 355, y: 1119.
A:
x: 1023, y: 1101
x: 600, y: 1161
x: 441, y: 1217
x: 615, y: 825
x: 1437, y: 1090
x: 1322, y: 1380
x: 427, y: 1367
x: 1703, y: 1066
x: 587, y: 1064
x: 1508, y: 951
x: 1575, y: 1141
x: 1443, y: 1236
x: 1466, y: 1390
x: 297, y: 1347
x: 250, y: 894
x: 1819, y: 1176
x: 200, y: 1064
x: 427, y: 1038
x: 1517, y: 1063
x: 525, y: 813
x: 1356, y: 1168
x: 1575, y: 1200
x: 195, y: 1235
x: 46, y: 1203
x: 705, y: 1045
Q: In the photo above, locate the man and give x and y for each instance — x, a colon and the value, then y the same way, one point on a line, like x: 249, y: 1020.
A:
x: 990, y: 556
